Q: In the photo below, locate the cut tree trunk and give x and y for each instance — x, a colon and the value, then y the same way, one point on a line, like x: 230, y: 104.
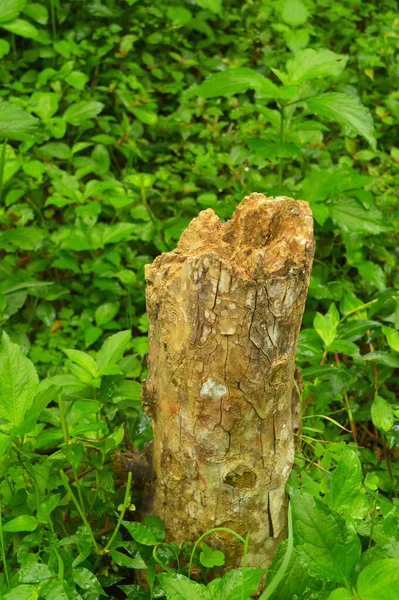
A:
x: 224, y: 311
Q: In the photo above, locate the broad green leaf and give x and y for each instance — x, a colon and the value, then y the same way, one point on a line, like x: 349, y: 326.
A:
x: 113, y: 348
x: 4, y: 48
x: 295, y: 579
x: 156, y: 527
x: 146, y: 116
x: 213, y: 5
x: 382, y: 414
x: 37, y: 12
x: 45, y: 394
x: 340, y: 594
x: 354, y: 330
x: 16, y: 123
x: 346, y: 480
x: 345, y: 110
x: 352, y: 217
x: 106, y: 312
x: 294, y: 12
x: 230, y: 586
x: 123, y: 560
x: 326, y: 325
x: 179, y: 587
x: 236, y: 81
x: 9, y: 9
x: 34, y: 573
x: 392, y: 336
x: 372, y: 273
x: 84, y: 360
x: 18, y: 382
x: 343, y: 347
x: 140, y: 533
x: 313, y: 64
x: 21, y: 523
x: 379, y: 581
x: 87, y: 580
x: 388, y: 359
x: 23, y: 28
x: 327, y: 548
x: 179, y: 15
x: 80, y: 112
x: 22, y: 592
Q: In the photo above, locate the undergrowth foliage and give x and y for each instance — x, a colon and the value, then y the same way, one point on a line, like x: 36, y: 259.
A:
x: 119, y: 122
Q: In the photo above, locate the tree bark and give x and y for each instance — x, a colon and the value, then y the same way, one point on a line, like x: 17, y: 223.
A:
x: 224, y: 310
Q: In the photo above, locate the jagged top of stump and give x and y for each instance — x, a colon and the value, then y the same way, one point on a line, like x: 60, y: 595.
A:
x: 267, y: 234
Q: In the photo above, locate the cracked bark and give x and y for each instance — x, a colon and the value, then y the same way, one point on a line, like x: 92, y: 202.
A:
x: 224, y: 312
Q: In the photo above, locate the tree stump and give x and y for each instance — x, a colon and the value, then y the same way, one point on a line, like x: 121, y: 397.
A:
x: 224, y: 311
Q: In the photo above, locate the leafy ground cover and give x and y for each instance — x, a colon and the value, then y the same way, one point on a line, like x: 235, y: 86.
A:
x: 119, y: 121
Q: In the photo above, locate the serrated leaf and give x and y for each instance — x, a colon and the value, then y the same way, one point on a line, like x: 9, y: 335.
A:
x: 18, y: 382
x: 379, y: 581
x: 346, y: 480
x: 312, y: 64
x: 326, y: 547
x: 345, y: 110
x: 352, y: 217
x: 295, y: 579
x: 231, y: 585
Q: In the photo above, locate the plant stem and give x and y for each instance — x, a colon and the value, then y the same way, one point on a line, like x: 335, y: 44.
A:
x: 281, y: 161
x: 2, y: 164
x: 79, y: 509
x: 2, y: 547
x: 125, y: 506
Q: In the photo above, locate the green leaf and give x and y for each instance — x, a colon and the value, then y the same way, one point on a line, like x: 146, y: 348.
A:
x: 352, y: 217
x: 22, y: 592
x: 18, y: 382
x: 345, y: 110
x: 4, y: 48
x: 382, y: 414
x: 87, y: 580
x: 326, y: 325
x: 106, y: 312
x: 16, y: 123
x: 122, y: 560
x: 80, y: 112
x: 231, y: 585
x: 295, y: 579
x: 392, y: 337
x: 113, y: 348
x: 294, y: 13
x: 383, y: 358
x: 346, y: 480
x: 379, y: 581
x: 34, y: 573
x: 340, y: 594
x: 9, y: 9
x: 37, y: 12
x: 84, y: 360
x: 343, y: 347
x: 178, y: 15
x: 326, y: 547
x: 21, y: 523
x: 156, y: 527
x: 213, y: 5
x: 22, y: 28
x: 312, y: 64
x: 237, y: 81
x: 140, y: 533
x: 145, y: 116
x: 179, y: 587
x: 211, y: 558
x: 356, y: 329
